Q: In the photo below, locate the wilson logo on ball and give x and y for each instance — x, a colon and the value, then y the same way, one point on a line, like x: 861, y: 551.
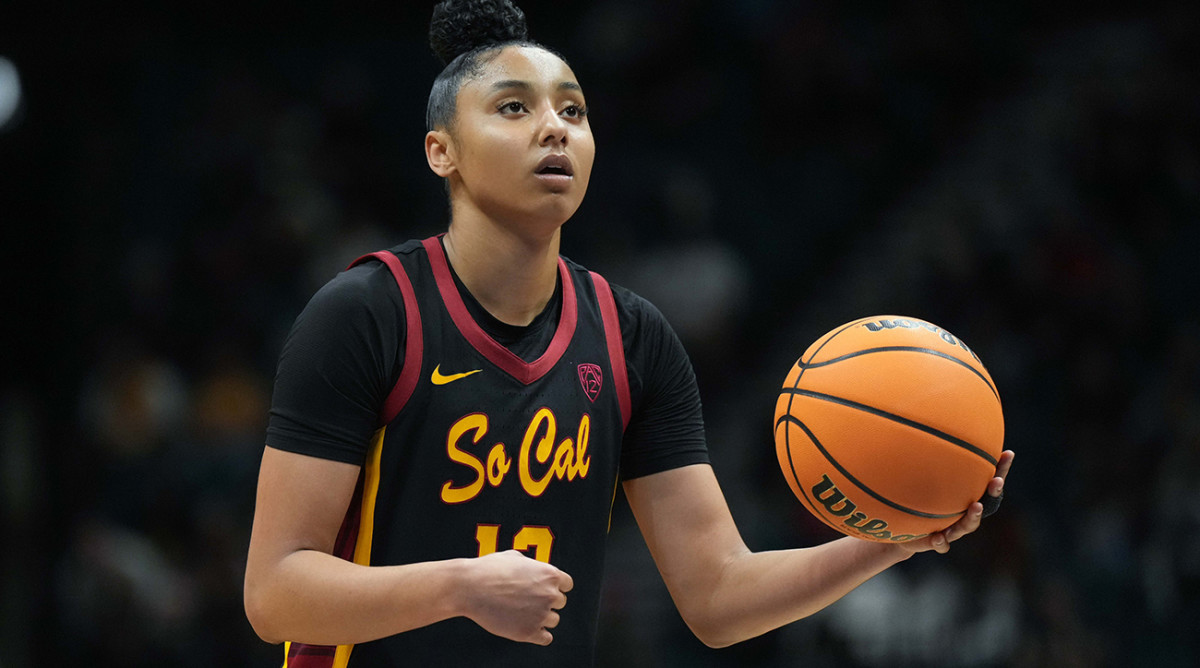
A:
x: 835, y: 502
x: 907, y: 323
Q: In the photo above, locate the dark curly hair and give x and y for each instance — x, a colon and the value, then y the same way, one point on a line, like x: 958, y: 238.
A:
x: 464, y: 35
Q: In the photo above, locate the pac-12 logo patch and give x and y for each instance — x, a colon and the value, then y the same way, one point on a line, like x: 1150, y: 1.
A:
x: 591, y: 379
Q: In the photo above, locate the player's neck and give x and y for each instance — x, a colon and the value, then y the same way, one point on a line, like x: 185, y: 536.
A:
x: 510, y: 275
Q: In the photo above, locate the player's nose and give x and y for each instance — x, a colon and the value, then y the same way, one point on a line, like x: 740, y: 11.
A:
x: 552, y: 129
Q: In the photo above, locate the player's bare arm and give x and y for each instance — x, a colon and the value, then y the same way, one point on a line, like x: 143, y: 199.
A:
x: 726, y: 593
x: 295, y: 589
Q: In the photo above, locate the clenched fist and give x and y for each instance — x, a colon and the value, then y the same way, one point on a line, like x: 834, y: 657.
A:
x: 515, y: 597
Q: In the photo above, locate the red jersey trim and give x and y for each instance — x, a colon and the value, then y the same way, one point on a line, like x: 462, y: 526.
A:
x: 525, y: 372
x: 413, y: 338
x: 616, y: 345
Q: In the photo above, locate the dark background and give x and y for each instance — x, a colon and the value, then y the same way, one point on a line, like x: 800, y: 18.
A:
x: 178, y: 181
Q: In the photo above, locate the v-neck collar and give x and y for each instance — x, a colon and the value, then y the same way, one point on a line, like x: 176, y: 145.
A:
x: 481, y: 341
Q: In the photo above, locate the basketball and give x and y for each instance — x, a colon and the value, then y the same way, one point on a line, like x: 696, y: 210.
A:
x: 888, y: 428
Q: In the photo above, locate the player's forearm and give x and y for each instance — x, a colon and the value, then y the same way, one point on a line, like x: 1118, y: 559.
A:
x: 312, y: 597
x: 758, y: 592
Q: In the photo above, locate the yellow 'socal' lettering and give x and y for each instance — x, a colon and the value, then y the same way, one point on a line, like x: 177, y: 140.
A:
x: 564, y: 458
x: 498, y: 464
x: 583, y: 462
x: 478, y: 423
x: 535, y: 487
x: 568, y: 461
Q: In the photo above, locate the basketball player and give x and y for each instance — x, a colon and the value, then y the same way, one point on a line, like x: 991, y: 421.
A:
x: 451, y: 419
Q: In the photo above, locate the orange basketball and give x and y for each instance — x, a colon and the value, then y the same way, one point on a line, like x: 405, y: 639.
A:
x: 888, y: 428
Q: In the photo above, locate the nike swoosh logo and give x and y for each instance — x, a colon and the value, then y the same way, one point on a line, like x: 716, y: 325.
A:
x: 439, y: 379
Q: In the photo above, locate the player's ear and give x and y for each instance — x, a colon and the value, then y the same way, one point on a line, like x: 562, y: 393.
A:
x: 439, y: 152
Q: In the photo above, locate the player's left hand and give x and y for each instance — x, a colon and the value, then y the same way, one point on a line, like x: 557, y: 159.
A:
x: 940, y: 542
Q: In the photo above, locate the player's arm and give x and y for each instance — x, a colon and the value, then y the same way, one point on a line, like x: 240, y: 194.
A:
x: 725, y: 592
x: 296, y: 590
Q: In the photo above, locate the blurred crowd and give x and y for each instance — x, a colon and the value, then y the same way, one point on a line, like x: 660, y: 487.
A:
x: 178, y: 185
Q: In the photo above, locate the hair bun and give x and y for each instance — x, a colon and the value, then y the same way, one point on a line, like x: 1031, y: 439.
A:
x: 458, y: 26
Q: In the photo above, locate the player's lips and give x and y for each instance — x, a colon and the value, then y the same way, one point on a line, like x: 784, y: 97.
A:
x: 555, y: 165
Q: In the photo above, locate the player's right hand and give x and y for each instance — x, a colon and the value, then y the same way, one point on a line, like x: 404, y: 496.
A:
x: 940, y: 541
x: 515, y: 597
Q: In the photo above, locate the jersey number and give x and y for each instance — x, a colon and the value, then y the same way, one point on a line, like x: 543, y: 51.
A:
x: 539, y: 538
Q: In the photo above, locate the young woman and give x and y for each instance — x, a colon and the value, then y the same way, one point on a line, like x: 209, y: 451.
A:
x: 451, y: 418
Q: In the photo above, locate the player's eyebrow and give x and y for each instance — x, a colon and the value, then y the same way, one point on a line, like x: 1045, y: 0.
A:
x: 511, y: 83
x: 507, y: 84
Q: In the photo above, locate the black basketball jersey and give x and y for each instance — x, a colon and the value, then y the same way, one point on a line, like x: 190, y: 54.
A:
x: 480, y: 451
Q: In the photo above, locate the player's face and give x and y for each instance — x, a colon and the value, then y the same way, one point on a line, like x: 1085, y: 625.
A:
x: 521, y: 144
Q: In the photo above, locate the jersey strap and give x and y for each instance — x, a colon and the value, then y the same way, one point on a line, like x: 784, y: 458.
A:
x: 413, y: 341
x: 616, y: 345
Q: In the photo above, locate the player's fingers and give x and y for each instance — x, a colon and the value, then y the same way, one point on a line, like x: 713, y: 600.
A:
x: 565, y: 583
x: 939, y: 542
x: 967, y: 524
x: 552, y: 620
x: 1004, y: 463
x: 995, y: 487
x: 542, y: 637
x: 559, y: 602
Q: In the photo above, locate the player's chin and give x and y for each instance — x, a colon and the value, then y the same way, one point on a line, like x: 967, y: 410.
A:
x: 557, y: 208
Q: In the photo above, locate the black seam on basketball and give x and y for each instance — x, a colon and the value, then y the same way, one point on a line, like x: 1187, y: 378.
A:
x: 787, y: 441
x: 811, y: 503
x: 910, y: 349
x: 792, y: 465
x: 804, y: 365
x: 870, y: 492
x: 894, y: 418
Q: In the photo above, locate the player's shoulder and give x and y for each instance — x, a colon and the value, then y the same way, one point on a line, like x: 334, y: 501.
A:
x: 368, y: 284
x: 406, y: 252
x: 408, y: 248
x: 635, y: 312
x: 634, y: 308
x: 360, y: 283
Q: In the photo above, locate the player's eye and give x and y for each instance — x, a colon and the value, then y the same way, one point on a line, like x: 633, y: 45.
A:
x: 513, y: 107
x: 575, y: 111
